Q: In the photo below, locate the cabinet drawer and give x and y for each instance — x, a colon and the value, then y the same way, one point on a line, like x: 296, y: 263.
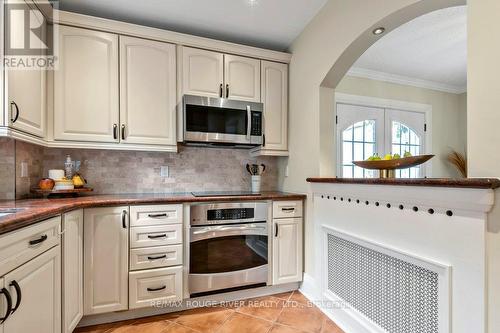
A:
x: 155, y: 235
x: 155, y: 215
x: 156, y: 285
x: 19, y: 246
x: 284, y: 209
x: 154, y: 257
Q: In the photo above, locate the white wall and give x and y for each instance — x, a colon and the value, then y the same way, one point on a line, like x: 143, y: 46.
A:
x: 448, y: 115
x: 327, y: 41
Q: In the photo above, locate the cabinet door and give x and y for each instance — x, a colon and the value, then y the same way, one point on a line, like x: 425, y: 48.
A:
x: 105, y: 260
x: 147, y: 91
x: 26, y: 89
x: 39, y: 291
x: 275, y: 99
x: 86, y: 86
x: 287, y: 250
x: 202, y: 72
x: 242, y: 78
x: 72, y: 270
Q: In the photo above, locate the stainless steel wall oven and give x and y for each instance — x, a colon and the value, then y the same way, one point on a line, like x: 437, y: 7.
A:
x: 228, y: 246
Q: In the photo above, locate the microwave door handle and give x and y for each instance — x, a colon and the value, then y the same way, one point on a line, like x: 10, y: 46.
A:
x: 249, y: 122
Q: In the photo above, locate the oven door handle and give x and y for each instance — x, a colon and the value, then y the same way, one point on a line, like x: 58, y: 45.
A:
x: 210, y: 229
x: 201, y: 233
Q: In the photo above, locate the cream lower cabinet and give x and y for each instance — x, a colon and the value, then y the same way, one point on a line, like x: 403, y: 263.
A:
x: 26, y: 89
x: 274, y: 78
x: 287, y: 242
x: 106, y: 259
x: 147, y: 92
x: 72, y: 270
x: 86, y: 86
x: 35, y: 288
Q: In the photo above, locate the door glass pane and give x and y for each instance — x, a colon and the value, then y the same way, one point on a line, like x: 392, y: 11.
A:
x: 227, y: 254
x: 404, y: 139
x: 359, y: 143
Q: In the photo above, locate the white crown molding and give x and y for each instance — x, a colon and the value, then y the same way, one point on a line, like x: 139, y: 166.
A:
x: 405, y: 80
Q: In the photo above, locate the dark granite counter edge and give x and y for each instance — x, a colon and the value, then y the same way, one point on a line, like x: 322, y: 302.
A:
x: 474, y: 183
x: 53, y: 207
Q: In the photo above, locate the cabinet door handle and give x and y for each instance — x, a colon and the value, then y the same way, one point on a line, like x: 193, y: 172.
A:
x: 158, y: 257
x: 9, y: 305
x: 155, y: 216
x: 123, y: 132
x: 157, y: 289
x: 124, y: 219
x: 276, y: 231
x: 220, y: 91
x: 38, y: 240
x: 115, y: 131
x: 227, y: 90
x: 14, y: 119
x: 291, y: 209
x: 19, y: 295
x: 157, y: 236
x: 263, y: 140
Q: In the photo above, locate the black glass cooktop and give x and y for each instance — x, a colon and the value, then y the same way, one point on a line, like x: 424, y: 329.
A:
x: 224, y: 194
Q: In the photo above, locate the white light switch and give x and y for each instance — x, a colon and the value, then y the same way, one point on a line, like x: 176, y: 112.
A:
x: 24, y: 169
x: 164, y: 171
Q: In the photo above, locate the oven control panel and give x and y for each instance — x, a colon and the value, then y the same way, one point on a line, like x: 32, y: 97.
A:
x: 230, y: 214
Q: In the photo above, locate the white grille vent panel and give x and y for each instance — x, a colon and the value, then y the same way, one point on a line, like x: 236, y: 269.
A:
x: 397, y: 295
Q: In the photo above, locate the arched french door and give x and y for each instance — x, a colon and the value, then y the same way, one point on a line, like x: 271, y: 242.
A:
x: 363, y: 131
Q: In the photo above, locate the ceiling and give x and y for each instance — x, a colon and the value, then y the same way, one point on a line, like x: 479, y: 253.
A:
x: 430, y: 50
x: 272, y: 24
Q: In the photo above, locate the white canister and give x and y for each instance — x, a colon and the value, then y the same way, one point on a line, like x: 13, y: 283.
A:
x: 256, y: 180
x: 56, y: 174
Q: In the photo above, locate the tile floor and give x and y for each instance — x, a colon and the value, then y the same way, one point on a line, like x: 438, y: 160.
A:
x: 281, y: 313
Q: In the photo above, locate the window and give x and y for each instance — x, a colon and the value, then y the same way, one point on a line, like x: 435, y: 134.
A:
x: 365, y: 131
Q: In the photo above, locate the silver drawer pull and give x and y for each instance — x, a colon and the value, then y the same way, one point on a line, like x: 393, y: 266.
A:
x: 158, y: 257
x: 157, y: 289
x: 157, y: 216
x: 157, y: 236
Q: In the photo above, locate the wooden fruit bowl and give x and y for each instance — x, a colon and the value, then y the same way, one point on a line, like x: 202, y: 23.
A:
x: 387, y: 167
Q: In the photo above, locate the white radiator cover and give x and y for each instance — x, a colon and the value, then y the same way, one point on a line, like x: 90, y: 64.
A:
x: 442, y: 230
x: 387, y: 290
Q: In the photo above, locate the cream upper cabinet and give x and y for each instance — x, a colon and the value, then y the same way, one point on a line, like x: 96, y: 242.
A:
x: 202, y: 72
x: 72, y: 270
x: 86, y: 86
x: 35, y: 288
x: 105, y: 260
x: 147, y: 92
x: 287, y: 250
x: 275, y: 99
x: 242, y: 78
x: 26, y: 88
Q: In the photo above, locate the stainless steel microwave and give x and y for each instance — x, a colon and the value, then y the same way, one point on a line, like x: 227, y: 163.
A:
x: 220, y: 121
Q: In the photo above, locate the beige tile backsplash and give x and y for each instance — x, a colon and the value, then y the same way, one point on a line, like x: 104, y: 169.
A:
x: 7, y: 169
x: 110, y: 172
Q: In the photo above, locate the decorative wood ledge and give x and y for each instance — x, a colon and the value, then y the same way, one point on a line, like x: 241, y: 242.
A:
x: 478, y: 183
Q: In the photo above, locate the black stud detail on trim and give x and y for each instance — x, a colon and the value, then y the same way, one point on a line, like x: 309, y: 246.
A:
x: 341, y: 199
x: 367, y: 202
x: 449, y: 213
x: 430, y: 211
x: 357, y: 201
x: 401, y: 207
x: 388, y: 205
x: 377, y: 204
x: 415, y: 208
x: 349, y: 199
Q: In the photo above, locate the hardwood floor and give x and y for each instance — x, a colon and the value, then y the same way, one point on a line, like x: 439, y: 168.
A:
x: 281, y: 313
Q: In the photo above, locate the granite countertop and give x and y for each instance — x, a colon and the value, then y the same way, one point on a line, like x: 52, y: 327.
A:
x: 36, y: 210
x: 477, y: 183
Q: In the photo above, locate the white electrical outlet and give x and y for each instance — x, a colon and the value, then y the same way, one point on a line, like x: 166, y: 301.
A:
x: 24, y: 169
x: 164, y: 171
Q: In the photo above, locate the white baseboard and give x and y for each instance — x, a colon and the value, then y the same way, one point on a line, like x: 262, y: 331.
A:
x: 310, y: 289
x: 186, y: 304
